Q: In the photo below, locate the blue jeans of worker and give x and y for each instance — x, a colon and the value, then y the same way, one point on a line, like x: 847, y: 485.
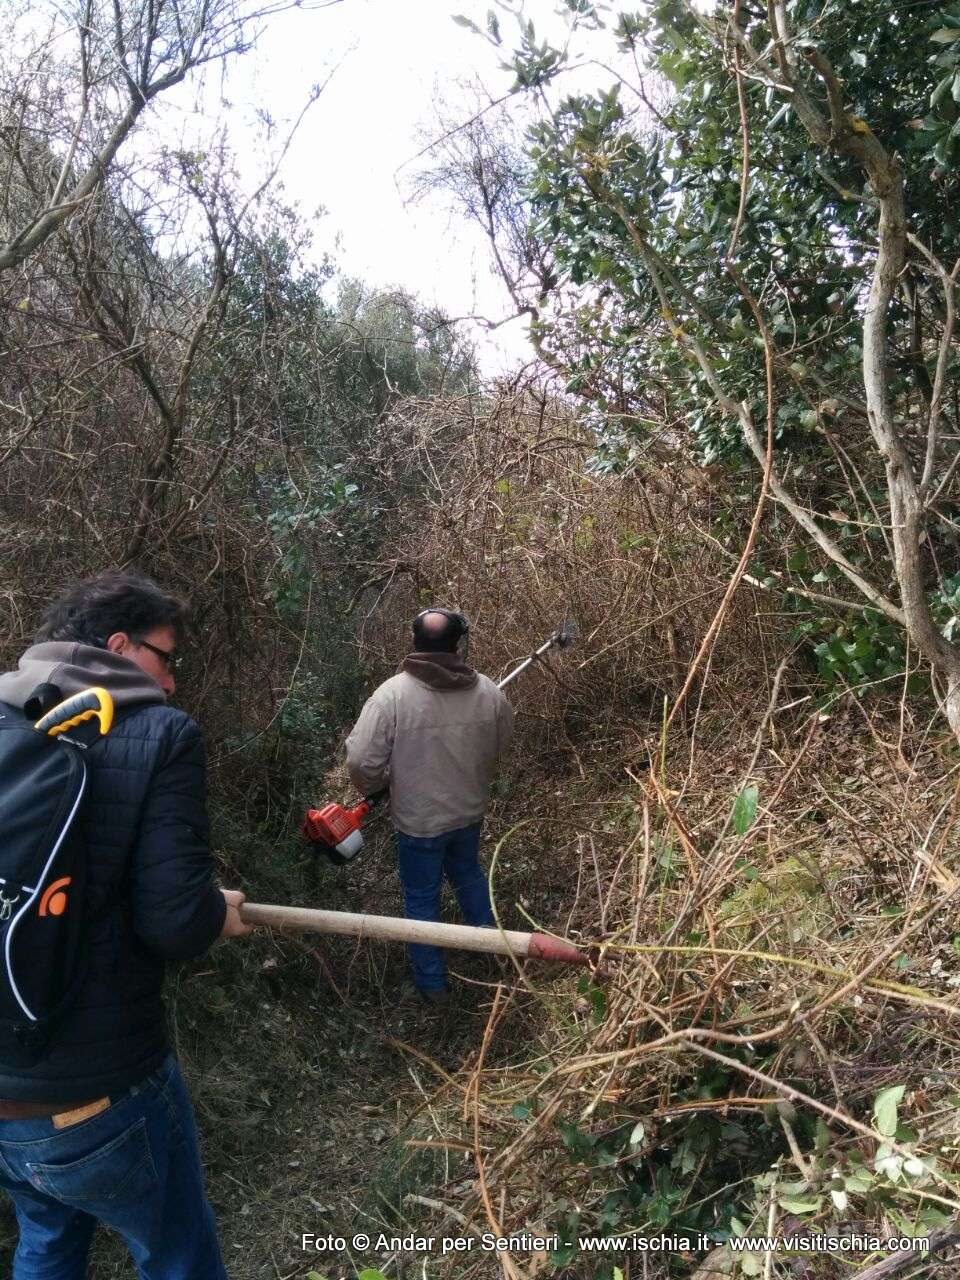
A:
x: 423, y: 862
x: 134, y: 1167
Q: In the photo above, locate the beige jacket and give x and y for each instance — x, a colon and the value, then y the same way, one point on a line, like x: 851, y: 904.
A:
x: 434, y: 734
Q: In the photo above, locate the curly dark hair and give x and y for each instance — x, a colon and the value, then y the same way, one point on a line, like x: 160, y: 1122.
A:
x: 92, y: 610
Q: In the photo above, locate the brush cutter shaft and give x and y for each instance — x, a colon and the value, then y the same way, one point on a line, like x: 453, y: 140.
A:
x: 462, y: 937
x: 502, y: 684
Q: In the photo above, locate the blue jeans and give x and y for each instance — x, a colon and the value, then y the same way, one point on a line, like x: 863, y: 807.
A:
x: 423, y: 861
x: 134, y: 1167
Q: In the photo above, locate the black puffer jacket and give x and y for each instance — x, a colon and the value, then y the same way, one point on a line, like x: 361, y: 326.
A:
x: 145, y: 823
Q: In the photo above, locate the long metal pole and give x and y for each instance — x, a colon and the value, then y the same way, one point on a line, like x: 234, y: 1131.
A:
x: 462, y: 937
x: 502, y: 684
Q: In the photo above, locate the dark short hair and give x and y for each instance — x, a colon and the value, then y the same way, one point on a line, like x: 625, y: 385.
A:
x: 443, y: 640
x: 90, y: 611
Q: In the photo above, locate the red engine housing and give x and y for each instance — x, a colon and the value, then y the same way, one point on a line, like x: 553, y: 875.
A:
x: 336, y: 828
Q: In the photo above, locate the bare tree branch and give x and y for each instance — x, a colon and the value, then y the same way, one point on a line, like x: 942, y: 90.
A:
x: 150, y: 49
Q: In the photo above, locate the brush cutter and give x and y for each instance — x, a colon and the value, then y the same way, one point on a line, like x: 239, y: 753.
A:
x: 336, y: 831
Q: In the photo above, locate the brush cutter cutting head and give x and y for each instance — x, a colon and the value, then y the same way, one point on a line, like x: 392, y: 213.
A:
x: 567, y: 634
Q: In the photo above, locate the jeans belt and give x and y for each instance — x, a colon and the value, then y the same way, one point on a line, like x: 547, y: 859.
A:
x: 60, y: 1114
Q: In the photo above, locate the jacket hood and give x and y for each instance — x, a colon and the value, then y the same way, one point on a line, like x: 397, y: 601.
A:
x: 441, y: 671
x: 73, y: 667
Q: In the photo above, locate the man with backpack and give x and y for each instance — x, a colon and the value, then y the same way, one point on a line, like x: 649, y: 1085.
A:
x: 97, y: 1125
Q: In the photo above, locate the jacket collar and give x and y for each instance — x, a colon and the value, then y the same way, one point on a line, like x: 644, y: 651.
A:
x: 441, y: 671
x: 73, y: 667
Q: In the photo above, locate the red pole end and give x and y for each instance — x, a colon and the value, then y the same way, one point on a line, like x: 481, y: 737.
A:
x: 543, y: 947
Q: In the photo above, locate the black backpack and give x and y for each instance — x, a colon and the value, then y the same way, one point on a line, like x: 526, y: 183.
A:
x: 43, y: 911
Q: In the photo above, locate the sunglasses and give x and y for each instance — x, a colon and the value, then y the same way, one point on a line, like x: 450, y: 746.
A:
x: 170, y: 660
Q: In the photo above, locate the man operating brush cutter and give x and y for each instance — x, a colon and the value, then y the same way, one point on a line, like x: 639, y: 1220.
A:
x: 337, y: 832
x: 434, y: 733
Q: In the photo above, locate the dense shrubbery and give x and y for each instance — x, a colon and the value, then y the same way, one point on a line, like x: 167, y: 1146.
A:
x: 742, y: 871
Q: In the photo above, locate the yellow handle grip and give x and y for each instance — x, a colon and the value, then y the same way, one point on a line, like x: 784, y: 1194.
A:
x: 77, y: 708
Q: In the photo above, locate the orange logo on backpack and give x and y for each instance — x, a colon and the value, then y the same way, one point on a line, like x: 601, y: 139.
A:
x: 54, y: 900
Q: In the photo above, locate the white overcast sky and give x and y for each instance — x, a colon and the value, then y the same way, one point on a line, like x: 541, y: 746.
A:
x: 394, y: 60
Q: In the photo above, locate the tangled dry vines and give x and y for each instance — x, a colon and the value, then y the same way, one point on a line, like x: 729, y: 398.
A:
x: 771, y: 885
